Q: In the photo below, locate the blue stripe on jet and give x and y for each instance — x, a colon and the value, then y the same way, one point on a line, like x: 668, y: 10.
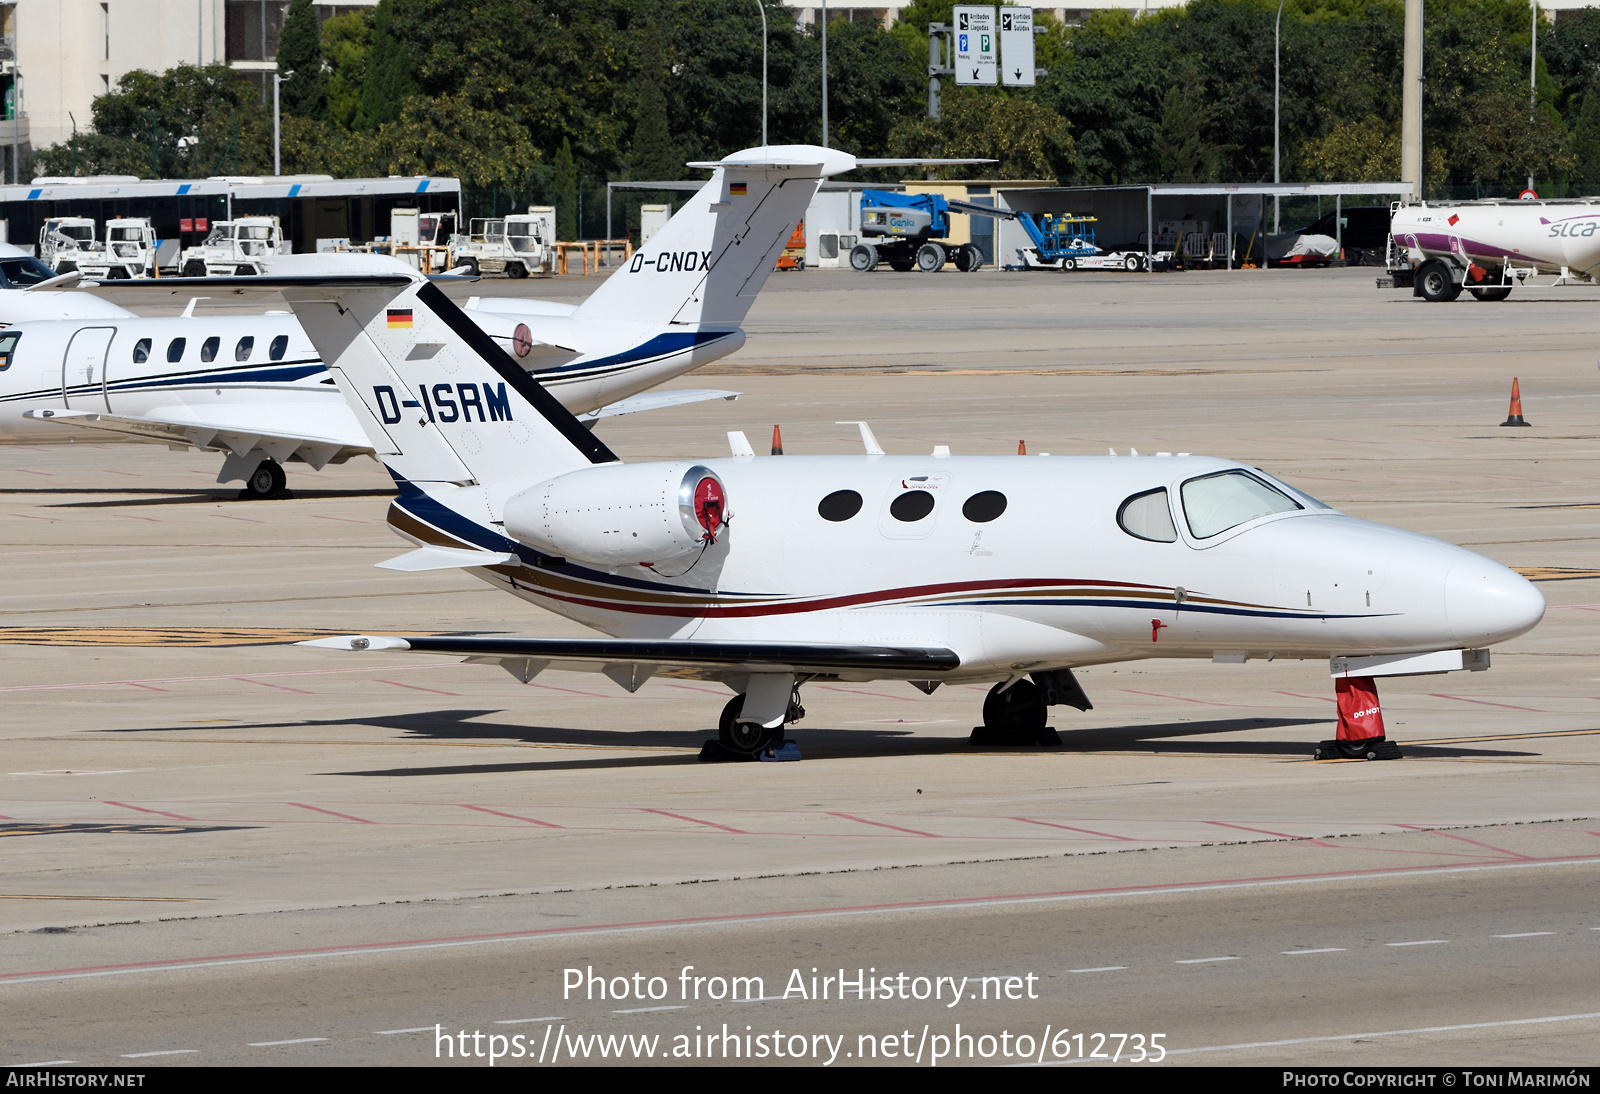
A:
x: 279, y: 375
x: 662, y: 345
x: 1189, y: 606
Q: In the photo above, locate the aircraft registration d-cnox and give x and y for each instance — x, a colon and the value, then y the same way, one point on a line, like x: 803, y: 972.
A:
x: 254, y: 388
x: 765, y: 573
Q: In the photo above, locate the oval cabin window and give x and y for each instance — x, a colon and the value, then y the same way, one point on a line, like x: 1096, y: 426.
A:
x: 984, y: 506
x: 1148, y: 516
x: 911, y: 506
x: 839, y: 505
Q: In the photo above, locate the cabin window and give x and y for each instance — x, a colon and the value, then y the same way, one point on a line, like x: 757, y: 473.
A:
x: 208, y: 349
x: 141, y: 351
x: 839, y: 505
x: 1214, y: 503
x: 175, y: 350
x: 8, y: 348
x: 911, y: 506
x: 280, y: 346
x: 1148, y: 516
x: 984, y: 506
x: 241, y: 352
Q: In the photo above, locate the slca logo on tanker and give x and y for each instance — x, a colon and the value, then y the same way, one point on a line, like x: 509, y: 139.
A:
x: 672, y: 261
x: 1574, y: 230
x: 450, y: 402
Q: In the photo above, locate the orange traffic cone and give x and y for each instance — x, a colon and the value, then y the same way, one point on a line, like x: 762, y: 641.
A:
x: 1514, y: 417
x: 777, y: 442
x: 1022, y: 448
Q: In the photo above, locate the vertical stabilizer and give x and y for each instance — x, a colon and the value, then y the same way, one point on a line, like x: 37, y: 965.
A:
x: 713, y: 256
x: 440, y: 401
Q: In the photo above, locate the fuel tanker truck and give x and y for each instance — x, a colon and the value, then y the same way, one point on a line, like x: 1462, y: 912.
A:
x: 1439, y: 248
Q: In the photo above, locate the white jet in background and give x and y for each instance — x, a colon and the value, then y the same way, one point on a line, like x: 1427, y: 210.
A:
x: 764, y: 573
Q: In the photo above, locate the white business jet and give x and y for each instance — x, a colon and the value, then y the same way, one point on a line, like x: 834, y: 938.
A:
x: 764, y: 573
x: 30, y: 290
x: 254, y: 388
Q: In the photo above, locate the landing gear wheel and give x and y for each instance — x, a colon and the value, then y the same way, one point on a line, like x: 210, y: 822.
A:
x: 266, y: 481
x: 515, y: 270
x: 863, y: 257
x: 1015, y: 716
x: 968, y: 258
x: 745, y: 738
x: 1435, y: 285
x: 931, y: 258
x: 1132, y: 263
x: 1491, y: 296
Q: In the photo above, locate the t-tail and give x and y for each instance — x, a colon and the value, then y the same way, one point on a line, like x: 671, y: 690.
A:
x: 711, y: 259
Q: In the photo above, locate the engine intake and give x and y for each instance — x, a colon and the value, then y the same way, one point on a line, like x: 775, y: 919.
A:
x: 624, y: 514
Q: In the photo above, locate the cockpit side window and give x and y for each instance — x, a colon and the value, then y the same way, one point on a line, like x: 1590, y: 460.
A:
x: 141, y: 351
x: 1214, y: 503
x: 8, y: 347
x: 1148, y: 516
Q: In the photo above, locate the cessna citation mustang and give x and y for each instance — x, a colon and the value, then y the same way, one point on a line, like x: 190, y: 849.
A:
x: 254, y: 387
x: 766, y: 573
x: 31, y: 290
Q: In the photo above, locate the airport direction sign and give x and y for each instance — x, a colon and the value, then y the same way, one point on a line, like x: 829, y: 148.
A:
x: 1016, y: 47
x: 977, y: 56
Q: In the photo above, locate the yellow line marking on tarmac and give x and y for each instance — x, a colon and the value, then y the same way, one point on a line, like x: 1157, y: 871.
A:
x: 154, y: 636
x: 55, y: 896
x: 1509, y: 737
x: 1556, y: 573
x: 389, y: 744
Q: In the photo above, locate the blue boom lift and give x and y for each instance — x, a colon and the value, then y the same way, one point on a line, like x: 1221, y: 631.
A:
x: 907, y: 231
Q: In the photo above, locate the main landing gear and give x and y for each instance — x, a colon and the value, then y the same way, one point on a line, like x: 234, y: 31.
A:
x: 266, y: 481
x: 1015, y: 711
x: 740, y: 737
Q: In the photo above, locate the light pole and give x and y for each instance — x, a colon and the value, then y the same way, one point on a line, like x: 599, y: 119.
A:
x: 1533, y: 78
x: 1277, y: 37
x: 762, y: 8
x: 824, y: 73
x: 277, y: 79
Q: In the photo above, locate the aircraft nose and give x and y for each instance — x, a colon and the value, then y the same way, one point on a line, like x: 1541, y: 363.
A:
x: 1487, y: 603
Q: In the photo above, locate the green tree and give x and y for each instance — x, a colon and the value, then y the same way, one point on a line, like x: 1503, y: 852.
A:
x: 346, y: 40
x: 566, y: 193
x: 387, y: 77
x: 1586, y: 142
x: 1029, y: 141
x: 1183, y: 152
x: 305, y: 93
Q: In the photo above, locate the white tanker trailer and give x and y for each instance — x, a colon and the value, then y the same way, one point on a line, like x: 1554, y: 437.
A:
x: 1439, y: 248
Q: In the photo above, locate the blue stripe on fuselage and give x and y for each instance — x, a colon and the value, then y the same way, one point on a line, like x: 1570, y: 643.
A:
x: 662, y: 345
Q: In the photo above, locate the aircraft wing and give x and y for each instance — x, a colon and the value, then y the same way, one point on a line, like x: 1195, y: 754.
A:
x: 631, y: 661
x: 316, y: 446
x: 657, y: 400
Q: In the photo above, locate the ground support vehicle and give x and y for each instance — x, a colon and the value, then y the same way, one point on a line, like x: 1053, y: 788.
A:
x: 514, y: 245
x: 235, y: 248
x: 66, y: 243
x: 129, y: 252
x: 794, y: 252
x: 1440, y: 249
x: 908, y: 231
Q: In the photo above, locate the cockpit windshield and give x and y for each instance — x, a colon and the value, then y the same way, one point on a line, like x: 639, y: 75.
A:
x: 1214, y: 503
x: 19, y: 273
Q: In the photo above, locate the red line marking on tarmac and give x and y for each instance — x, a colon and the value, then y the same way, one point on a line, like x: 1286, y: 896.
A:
x: 1180, y: 698
x: 247, y: 520
x: 1464, y: 839
x: 417, y: 687
x: 1297, y: 695
x: 30, y: 516
x: 345, y: 520
x: 790, y: 913
x: 1069, y: 828
x: 263, y: 683
x: 25, y: 471
x: 512, y: 816
x: 124, y: 474
x: 696, y: 820
x: 130, y: 516
x: 135, y: 684
x: 1485, y: 703
x: 142, y: 809
x: 858, y: 691
x: 691, y: 687
x: 571, y: 691
x: 330, y: 812
x: 880, y: 824
x: 1269, y: 832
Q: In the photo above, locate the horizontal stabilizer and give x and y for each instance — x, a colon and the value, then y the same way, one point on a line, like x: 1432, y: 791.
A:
x: 657, y: 400
x: 593, y: 654
x: 444, y: 558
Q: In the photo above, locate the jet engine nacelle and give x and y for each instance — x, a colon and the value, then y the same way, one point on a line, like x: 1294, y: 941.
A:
x: 622, y: 514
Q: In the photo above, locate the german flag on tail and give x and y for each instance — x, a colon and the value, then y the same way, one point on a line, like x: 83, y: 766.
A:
x: 399, y: 318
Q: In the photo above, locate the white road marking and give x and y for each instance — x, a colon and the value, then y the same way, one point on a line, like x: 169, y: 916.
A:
x: 1102, y: 968
x: 1524, y: 934
x: 647, y: 1010
x: 47, y: 1063
x: 1352, y: 1036
x: 1420, y: 942
x: 1329, y: 949
x: 1204, y: 960
x: 789, y: 917
x: 413, y: 1029
x: 163, y: 1052
x: 525, y: 1021
x: 296, y: 1041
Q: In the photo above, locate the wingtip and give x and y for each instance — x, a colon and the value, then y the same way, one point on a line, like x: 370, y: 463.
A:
x: 357, y: 643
